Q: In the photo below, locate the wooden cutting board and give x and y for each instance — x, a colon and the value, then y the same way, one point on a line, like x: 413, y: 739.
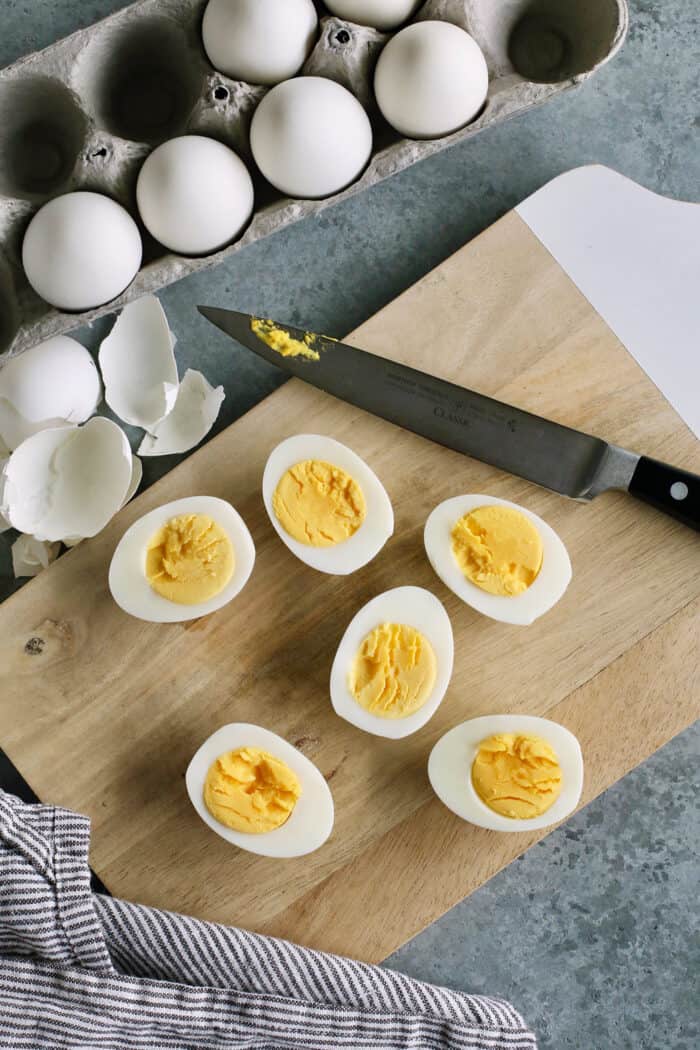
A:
x: 102, y: 713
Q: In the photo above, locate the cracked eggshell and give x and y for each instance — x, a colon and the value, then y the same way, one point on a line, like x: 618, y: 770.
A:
x: 68, y: 481
x: 138, y: 364
x: 195, y: 411
x: 31, y: 556
x: 49, y: 385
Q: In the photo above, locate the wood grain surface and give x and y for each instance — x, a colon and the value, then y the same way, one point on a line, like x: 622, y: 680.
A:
x: 102, y: 713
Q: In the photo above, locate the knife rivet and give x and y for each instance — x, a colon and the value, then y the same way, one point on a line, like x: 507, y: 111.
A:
x: 679, y: 490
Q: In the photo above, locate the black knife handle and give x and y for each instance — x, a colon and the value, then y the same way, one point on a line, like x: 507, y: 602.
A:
x: 677, y: 492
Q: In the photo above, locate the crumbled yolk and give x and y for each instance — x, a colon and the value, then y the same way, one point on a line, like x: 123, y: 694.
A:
x: 318, y: 504
x: 190, y: 559
x: 517, y: 776
x: 393, y: 673
x: 498, y: 549
x: 251, y: 790
x: 280, y: 340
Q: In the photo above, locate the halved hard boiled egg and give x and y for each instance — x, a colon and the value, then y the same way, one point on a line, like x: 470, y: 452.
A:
x: 326, y: 504
x: 251, y: 777
x: 508, y: 772
x: 498, y: 557
x: 394, y: 663
x: 181, y: 561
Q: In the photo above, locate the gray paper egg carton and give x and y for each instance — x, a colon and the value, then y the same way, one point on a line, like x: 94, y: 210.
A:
x: 85, y: 112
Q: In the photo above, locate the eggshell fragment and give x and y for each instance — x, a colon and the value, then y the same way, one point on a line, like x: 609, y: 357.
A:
x: 67, y: 481
x: 138, y: 364
x: 136, y: 476
x: 30, y: 555
x: 49, y: 385
x: 195, y: 411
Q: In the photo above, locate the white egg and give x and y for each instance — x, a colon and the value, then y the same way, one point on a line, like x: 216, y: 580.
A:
x: 523, y: 609
x: 311, y: 820
x: 81, y: 250
x: 414, y: 607
x: 194, y: 195
x: 310, y: 137
x: 377, y: 527
x: 430, y: 80
x: 259, y: 41
x: 382, y: 14
x: 51, y: 384
x: 451, y: 760
x: 127, y: 572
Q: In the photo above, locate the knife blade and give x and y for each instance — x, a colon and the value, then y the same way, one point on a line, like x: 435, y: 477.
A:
x: 557, y: 457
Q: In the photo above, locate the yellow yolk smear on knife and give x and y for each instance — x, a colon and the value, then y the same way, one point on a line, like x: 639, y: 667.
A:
x: 189, y: 560
x: 394, y: 671
x: 250, y: 790
x: 517, y: 776
x: 318, y: 504
x: 280, y: 340
x: 498, y: 549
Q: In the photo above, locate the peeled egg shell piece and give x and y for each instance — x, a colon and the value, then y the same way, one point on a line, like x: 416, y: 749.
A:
x: 375, y: 530
x: 520, y: 609
x: 136, y: 477
x: 51, y: 384
x: 31, y: 556
x: 311, y: 821
x: 68, y: 481
x: 127, y: 572
x: 430, y: 80
x: 310, y: 137
x: 81, y: 250
x: 381, y: 14
x: 194, y: 195
x: 259, y: 41
x: 415, y: 607
x: 138, y: 364
x: 451, y: 760
x: 195, y: 411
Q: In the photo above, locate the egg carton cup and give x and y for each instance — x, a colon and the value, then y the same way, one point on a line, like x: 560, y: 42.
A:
x: 84, y: 114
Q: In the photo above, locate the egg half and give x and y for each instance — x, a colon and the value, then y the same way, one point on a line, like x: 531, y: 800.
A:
x: 545, y: 591
x: 451, y: 761
x: 311, y: 820
x: 415, y: 608
x: 360, y: 548
x: 128, y: 581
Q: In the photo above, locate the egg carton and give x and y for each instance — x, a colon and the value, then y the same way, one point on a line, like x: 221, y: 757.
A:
x: 85, y: 112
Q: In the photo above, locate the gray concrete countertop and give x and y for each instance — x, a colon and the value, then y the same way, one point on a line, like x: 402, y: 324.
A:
x: 593, y: 934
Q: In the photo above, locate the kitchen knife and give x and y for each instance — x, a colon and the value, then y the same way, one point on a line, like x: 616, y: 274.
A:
x: 555, y: 456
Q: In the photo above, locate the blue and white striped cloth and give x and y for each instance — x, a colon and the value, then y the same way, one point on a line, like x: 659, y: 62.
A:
x: 81, y: 971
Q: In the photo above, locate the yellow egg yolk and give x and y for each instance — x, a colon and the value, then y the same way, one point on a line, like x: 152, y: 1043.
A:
x: 190, y: 559
x: 393, y: 673
x: 280, y: 340
x: 250, y: 790
x: 517, y: 776
x: 498, y: 549
x: 318, y: 504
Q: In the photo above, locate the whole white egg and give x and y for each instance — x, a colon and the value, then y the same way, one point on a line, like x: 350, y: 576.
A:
x: 411, y: 606
x: 127, y: 572
x: 310, y: 137
x: 194, y: 195
x: 523, y: 609
x: 81, y: 250
x: 259, y: 41
x: 451, y: 760
x: 378, y: 525
x: 382, y: 14
x: 311, y: 820
x: 430, y: 80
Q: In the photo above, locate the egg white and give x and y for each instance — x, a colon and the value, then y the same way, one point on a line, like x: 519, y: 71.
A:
x: 127, y: 572
x: 311, y: 820
x: 522, y: 609
x: 451, y: 760
x: 375, y: 530
x: 414, y: 607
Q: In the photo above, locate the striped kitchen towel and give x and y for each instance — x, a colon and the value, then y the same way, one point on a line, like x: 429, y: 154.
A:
x: 81, y: 971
